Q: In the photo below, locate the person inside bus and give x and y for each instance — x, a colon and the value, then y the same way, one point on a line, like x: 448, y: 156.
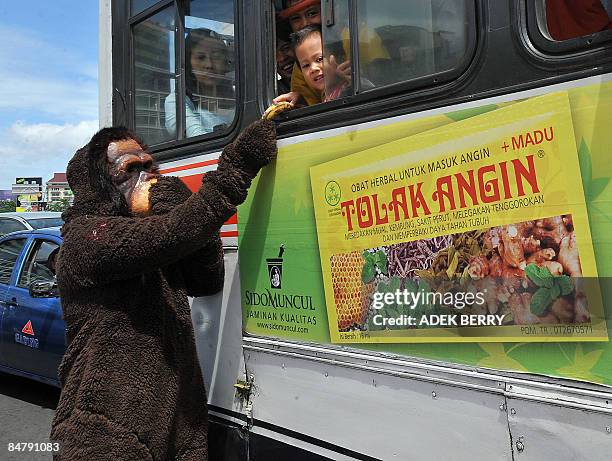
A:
x: 321, y: 74
x: 320, y: 67
x: 209, y: 85
x: 285, y: 57
x: 299, y: 14
x: 567, y: 19
x: 302, y: 13
x: 136, y: 245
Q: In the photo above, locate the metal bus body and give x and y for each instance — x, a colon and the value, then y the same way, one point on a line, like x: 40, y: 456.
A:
x: 272, y: 395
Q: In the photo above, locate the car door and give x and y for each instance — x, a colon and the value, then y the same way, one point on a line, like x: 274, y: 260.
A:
x: 10, y: 258
x: 36, y: 323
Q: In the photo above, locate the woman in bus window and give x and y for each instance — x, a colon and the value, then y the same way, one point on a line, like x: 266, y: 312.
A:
x: 209, y: 85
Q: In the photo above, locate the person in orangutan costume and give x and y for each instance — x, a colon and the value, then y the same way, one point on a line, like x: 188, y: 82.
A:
x: 136, y: 245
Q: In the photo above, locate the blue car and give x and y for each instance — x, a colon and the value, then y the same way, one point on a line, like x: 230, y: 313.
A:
x: 32, y: 332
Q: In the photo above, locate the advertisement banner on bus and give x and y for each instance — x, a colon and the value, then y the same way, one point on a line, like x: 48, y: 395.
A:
x: 467, y: 232
x: 325, y: 287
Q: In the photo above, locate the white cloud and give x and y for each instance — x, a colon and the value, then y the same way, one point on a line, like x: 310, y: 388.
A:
x: 65, y: 100
x: 40, y: 149
x: 48, y: 103
x: 45, y: 80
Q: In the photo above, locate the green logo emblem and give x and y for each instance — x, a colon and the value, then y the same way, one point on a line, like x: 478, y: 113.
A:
x: 332, y: 193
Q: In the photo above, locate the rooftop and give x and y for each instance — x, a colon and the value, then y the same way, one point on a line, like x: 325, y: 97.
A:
x: 58, y: 177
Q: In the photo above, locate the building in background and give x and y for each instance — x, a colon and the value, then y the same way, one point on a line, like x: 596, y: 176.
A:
x: 29, y: 194
x: 58, y: 189
x: 6, y: 195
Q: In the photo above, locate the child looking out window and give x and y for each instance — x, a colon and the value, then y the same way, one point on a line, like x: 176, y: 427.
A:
x: 321, y: 75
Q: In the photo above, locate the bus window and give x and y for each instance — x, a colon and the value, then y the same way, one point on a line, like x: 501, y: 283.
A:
x: 210, y: 101
x: 567, y: 19
x: 337, y: 52
x: 141, y: 5
x: 402, y: 42
x: 154, y: 75
x: 409, y: 40
x: 204, y: 76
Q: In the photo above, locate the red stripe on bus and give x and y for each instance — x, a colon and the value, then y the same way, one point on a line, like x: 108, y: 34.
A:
x: 189, y: 167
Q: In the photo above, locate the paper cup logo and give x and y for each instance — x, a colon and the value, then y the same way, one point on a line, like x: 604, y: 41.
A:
x: 332, y: 193
x: 275, y: 269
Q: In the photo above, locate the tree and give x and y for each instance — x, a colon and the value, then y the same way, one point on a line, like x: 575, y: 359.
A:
x: 7, y: 205
x: 60, y: 205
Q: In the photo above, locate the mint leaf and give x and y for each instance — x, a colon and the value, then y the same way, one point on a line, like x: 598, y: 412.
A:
x: 541, y: 276
x: 389, y: 310
x: 540, y: 301
x: 395, y: 283
x: 411, y: 285
x: 368, y: 272
x: 424, y: 286
x: 565, y: 284
x: 370, y: 258
x: 381, y: 261
x: 555, y: 291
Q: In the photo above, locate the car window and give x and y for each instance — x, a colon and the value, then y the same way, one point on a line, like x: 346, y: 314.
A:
x: 41, y: 223
x: 8, y: 225
x: 40, y: 264
x: 9, y: 253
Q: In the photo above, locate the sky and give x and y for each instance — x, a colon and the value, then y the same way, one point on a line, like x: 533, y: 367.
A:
x: 48, y: 85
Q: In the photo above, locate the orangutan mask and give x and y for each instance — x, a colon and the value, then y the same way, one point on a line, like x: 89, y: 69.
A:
x: 133, y: 172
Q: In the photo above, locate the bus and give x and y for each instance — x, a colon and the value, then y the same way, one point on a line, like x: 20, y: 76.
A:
x: 423, y: 273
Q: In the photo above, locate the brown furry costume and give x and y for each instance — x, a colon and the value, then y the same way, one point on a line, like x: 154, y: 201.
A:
x: 131, y: 384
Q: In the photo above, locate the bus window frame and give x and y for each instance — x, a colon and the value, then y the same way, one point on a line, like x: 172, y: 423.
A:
x: 575, y: 51
x: 431, y: 84
x: 187, y: 145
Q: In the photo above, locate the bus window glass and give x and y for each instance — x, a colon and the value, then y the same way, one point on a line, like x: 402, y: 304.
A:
x: 154, y: 76
x: 337, y: 52
x: 285, y: 58
x: 210, y: 83
x: 408, y: 40
x: 567, y: 19
x: 141, y: 5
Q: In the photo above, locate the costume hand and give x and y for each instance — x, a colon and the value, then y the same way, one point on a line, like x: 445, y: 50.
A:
x: 342, y: 71
x: 254, y: 149
x: 241, y: 160
x: 292, y: 98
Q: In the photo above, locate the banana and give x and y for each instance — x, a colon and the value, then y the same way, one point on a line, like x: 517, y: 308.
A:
x: 276, y: 109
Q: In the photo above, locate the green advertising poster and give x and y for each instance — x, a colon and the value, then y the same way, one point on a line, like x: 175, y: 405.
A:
x: 284, y: 256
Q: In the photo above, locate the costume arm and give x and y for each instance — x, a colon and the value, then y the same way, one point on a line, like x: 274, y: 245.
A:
x: 202, y: 270
x: 98, y: 250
